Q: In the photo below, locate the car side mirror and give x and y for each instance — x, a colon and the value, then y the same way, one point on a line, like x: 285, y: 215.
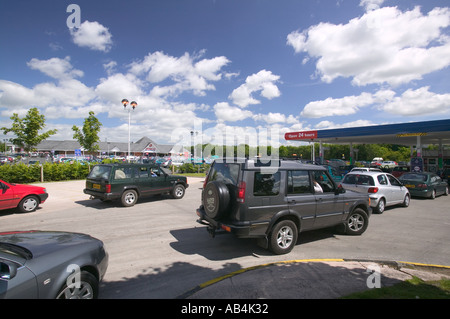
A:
x: 7, y: 270
x: 340, y: 190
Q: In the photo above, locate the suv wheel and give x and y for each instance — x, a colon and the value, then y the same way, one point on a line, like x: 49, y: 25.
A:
x: 357, y: 222
x: 216, y: 198
x: 283, y: 237
x: 178, y: 191
x: 129, y: 197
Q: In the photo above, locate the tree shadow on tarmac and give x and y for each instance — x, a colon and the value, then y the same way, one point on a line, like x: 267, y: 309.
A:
x: 163, y: 283
x: 295, y: 280
x: 183, y: 278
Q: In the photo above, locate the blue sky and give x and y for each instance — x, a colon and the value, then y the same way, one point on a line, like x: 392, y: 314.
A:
x: 230, y: 70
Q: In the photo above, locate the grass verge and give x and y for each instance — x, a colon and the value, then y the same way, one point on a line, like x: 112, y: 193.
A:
x: 414, y: 288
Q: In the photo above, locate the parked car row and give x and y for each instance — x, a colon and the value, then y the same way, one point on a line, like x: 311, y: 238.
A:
x: 63, y: 265
x: 248, y: 198
x: 385, y: 189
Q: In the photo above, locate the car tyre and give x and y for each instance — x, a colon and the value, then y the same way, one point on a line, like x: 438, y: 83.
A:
x: 381, y: 206
x: 357, y: 222
x: 129, y: 197
x: 88, y: 288
x: 283, y: 237
x: 433, y: 194
x: 178, y: 191
x: 406, y: 201
x: 446, y: 191
x: 28, y: 204
x: 216, y: 198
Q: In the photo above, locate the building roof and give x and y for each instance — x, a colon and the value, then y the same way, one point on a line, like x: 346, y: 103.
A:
x: 143, y: 145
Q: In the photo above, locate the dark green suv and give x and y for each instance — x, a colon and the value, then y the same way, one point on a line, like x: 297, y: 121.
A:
x: 274, y: 200
x: 128, y: 182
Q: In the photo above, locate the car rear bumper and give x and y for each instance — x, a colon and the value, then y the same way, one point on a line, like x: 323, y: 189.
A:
x: 239, y: 229
x: 420, y: 192
x: 100, y: 195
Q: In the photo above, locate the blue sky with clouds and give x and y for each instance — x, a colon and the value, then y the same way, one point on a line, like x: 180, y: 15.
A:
x: 224, y: 67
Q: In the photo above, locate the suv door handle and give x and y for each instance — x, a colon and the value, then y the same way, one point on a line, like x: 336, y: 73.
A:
x: 292, y: 201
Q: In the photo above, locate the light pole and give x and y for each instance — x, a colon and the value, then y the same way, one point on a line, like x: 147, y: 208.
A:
x: 133, y: 105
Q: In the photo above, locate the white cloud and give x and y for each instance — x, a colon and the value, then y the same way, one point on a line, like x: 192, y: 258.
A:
x: 371, y: 4
x: 92, y: 35
x: 184, y: 73
x: 55, y: 67
x: 263, y: 81
x: 329, y: 125
x: 119, y: 86
x: 383, y: 46
x: 66, y: 92
x: 272, y: 118
x: 333, y: 107
x: 110, y: 67
x: 14, y: 95
x: 410, y: 103
x: 225, y: 112
x: 418, y: 102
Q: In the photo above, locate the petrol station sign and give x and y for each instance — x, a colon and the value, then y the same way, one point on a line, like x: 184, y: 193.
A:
x: 305, y: 135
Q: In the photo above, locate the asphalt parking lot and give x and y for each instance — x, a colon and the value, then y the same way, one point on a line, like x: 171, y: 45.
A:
x: 157, y: 250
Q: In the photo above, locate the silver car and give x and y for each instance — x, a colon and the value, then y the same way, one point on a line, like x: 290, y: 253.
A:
x: 383, y: 189
x: 38, y: 264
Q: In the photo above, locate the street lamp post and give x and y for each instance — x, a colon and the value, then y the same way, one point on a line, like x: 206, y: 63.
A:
x: 133, y: 106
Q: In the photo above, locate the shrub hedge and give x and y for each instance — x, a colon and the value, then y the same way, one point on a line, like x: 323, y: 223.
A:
x: 51, y: 172
x: 22, y: 173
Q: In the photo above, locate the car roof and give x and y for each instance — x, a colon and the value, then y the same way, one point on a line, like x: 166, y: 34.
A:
x: 256, y: 163
x: 367, y: 173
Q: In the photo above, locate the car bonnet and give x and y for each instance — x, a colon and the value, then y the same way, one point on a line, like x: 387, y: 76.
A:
x: 43, y: 242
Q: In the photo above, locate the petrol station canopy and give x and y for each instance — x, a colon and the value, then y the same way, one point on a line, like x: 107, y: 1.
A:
x: 408, y: 134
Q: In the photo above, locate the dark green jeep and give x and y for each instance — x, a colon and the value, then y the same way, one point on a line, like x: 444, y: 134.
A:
x: 128, y: 182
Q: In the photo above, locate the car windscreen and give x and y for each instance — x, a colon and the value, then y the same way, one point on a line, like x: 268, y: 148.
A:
x: 358, y: 179
x: 100, y: 171
x: 224, y: 172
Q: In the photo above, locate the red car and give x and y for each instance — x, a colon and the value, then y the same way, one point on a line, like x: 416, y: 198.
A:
x: 400, y: 170
x: 24, y: 197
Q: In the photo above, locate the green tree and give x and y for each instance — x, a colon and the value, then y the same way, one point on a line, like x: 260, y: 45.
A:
x: 88, y: 135
x: 26, y: 130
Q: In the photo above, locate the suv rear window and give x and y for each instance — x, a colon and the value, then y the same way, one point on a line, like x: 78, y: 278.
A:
x: 224, y: 172
x: 100, y: 171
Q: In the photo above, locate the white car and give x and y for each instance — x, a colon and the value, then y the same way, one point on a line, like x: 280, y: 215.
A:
x: 388, y: 164
x: 365, y: 169
x: 383, y: 189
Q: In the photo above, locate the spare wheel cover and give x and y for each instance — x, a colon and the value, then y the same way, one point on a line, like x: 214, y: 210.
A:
x: 215, y: 199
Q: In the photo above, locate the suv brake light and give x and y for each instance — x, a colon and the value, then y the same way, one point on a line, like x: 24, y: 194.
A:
x: 241, y: 192
x: 205, y: 182
x: 373, y: 190
x: 108, y: 188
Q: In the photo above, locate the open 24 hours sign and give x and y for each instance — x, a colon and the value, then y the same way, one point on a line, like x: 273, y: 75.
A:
x: 305, y: 135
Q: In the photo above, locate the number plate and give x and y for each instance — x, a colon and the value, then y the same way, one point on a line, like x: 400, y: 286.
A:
x: 96, y: 186
x: 410, y: 186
